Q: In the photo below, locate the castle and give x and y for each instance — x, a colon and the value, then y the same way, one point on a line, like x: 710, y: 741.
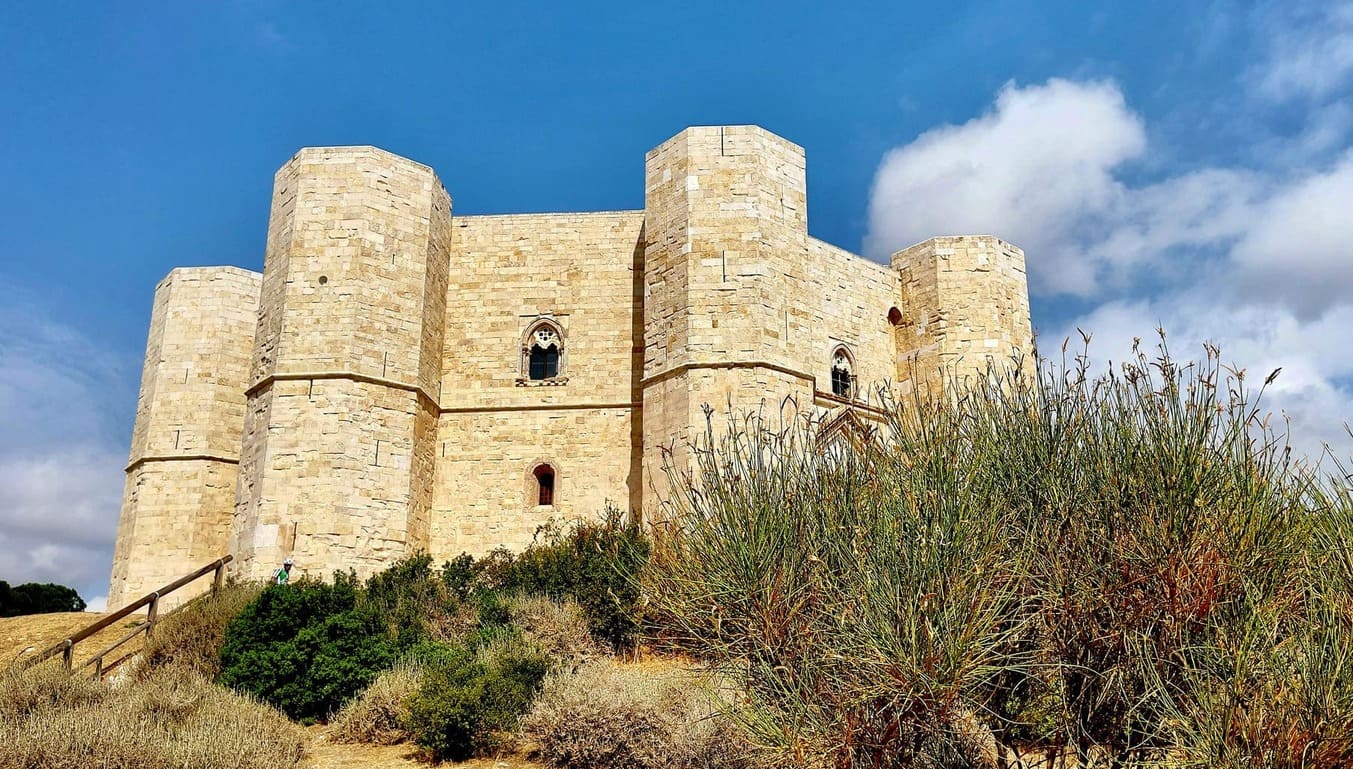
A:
x: 400, y: 379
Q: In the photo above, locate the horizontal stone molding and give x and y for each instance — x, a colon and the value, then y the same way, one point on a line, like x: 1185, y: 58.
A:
x: 267, y: 381
x: 733, y: 364
x: 135, y: 463
x: 824, y: 398
x: 820, y: 397
x: 543, y: 407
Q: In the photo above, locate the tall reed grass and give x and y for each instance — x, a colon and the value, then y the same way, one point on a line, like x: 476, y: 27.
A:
x: 1091, y: 564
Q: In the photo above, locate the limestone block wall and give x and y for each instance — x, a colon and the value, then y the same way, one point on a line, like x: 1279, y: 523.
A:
x: 726, y: 210
x: 340, y: 429
x: 186, y: 439
x: 365, y: 397
x: 584, y: 273
x: 736, y: 288
x: 965, y: 303
x: 845, y: 301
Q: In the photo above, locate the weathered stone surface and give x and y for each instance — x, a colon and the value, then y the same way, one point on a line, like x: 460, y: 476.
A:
x: 373, y: 388
x: 189, y: 421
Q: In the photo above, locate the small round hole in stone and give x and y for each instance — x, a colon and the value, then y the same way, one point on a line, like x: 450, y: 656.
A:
x: 323, y: 279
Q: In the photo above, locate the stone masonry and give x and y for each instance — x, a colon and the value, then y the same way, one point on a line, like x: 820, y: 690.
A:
x: 371, y: 394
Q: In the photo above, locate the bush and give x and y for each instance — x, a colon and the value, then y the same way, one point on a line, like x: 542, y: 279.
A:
x: 414, y: 603
x: 380, y: 714
x: 470, y: 698
x: 50, y: 719
x: 306, y: 648
x: 595, y: 564
x: 191, y: 637
x: 558, y: 627
x: 1279, y: 695
x: 610, y: 715
x: 1103, y: 564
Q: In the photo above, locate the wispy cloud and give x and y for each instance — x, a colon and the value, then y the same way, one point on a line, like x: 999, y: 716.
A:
x: 269, y: 36
x: 61, y: 461
x: 1309, y: 51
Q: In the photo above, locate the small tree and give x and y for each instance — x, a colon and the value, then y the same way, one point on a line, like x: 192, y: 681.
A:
x: 37, y: 598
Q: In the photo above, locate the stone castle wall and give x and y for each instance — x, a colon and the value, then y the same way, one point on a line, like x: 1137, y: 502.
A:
x: 339, y: 434
x: 366, y: 396
x: 189, y: 419
x: 583, y: 272
x: 966, y: 305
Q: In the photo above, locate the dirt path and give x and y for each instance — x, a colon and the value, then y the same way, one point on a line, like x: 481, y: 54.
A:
x: 327, y: 755
x: 26, y: 636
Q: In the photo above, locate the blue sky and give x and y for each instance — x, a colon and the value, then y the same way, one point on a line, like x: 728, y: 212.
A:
x: 1179, y: 163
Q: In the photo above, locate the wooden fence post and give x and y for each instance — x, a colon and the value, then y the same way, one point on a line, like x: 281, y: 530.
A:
x: 153, y: 614
x: 66, y: 648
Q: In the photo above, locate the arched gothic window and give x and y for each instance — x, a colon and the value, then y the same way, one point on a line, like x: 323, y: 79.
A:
x: 544, y: 475
x: 542, y: 352
x: 843, y: 373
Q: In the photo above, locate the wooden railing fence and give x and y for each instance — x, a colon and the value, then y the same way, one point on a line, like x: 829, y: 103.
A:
x: 66, y: 648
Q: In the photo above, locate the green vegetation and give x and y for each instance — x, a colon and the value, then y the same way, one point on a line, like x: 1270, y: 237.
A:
x: 1130, y: 567
x: 37, y: 598
x: 1126, y: 570
x: 592, y: 563
x: 306, y: 647
x: 469, y: 643
x: 471, y: 697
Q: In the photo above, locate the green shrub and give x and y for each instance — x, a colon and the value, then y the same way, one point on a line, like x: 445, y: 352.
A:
x: 593, y: 562
x: 491, y: 609
x: 459, y: 575
x: 191, y: 637
x: 470, y: 698
x: 412, y: 601
x: 306, y: 648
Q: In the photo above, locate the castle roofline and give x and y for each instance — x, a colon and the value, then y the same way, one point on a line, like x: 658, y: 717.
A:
x: 988, y: 236
x: 738, y: 126
x: 353, y: 148
x: 510, y: 215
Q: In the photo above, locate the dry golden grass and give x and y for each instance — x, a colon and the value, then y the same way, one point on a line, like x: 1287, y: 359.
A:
x: 558, y: 627
x: 190, y: 638
x: 380, y: 714
x: 26, y: 636
x: 649, y: 716
x: 173, y: 719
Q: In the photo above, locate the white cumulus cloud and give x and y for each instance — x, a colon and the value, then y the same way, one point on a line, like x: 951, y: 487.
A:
x: 1298, y: 248
x: 1257, y: 258
x: 1035, y: 169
